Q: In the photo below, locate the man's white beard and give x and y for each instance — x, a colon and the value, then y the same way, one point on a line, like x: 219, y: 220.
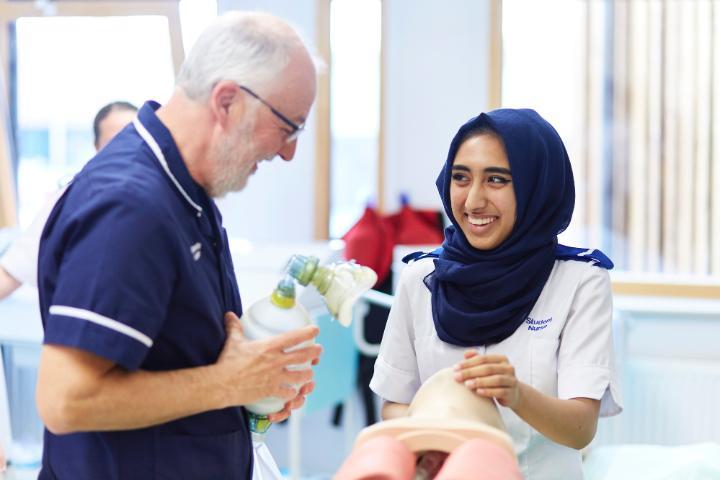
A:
x: 234, y: 160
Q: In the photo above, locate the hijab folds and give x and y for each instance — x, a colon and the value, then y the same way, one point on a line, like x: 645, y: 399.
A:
x: 481, y: 297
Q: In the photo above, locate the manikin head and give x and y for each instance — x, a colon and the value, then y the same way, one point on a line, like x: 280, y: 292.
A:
x: 441, y: 397
x: 255, y: 78
x: 442, y: 415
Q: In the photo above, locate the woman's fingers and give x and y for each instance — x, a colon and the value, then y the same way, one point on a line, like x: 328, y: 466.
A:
x: 484, y: 371
x: 493, y: 381
x: 472, y: 359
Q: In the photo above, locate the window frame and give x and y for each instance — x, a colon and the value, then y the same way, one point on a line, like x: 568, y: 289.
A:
x: 11, y: 11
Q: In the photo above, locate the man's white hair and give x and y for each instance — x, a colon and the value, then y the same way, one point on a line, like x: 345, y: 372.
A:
x: 249, y: 48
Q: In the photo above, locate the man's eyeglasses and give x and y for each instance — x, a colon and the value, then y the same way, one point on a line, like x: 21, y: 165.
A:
x: 296, y: 129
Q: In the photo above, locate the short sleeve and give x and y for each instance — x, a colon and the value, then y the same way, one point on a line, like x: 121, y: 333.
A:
x: 21, y: 258
x: 115, y: 277
x: 396, y: 377
x: 586, y: 363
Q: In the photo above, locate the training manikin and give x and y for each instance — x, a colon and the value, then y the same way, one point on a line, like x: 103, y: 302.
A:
x: 444, y: 416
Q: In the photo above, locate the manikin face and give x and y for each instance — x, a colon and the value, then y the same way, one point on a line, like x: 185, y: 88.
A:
x: 481, y: 192
x: 112, y: 124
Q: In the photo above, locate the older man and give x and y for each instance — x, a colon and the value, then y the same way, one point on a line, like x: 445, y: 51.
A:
x: 144, y: 368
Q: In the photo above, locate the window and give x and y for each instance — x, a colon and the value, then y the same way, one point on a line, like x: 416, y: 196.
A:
x: 632, y: 89
x: 67, y: 68
x: 355, y: 109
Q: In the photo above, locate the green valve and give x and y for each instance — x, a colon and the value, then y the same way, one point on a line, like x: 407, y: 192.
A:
x: 258, y: 423
x: 284, y: 294
x: 302, y: 268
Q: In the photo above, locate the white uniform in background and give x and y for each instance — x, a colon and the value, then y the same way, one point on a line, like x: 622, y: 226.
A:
x: 564, y: 349
x: 21, y: 258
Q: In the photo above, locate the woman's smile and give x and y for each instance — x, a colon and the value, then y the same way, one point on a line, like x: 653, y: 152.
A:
x: 481, y: 192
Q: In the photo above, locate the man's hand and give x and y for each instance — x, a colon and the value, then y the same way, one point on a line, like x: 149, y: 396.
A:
x: 293, y: 404
x: 252, y: 370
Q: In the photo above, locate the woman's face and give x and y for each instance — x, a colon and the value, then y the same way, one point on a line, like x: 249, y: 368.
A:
x: 481, y: 192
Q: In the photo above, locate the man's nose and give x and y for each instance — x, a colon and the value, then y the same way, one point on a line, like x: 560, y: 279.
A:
x: 287, y: 152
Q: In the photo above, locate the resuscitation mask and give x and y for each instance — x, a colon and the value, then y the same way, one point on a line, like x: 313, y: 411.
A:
x: 341, y: 284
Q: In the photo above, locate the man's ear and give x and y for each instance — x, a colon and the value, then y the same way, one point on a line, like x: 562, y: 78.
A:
x: 224, y: 96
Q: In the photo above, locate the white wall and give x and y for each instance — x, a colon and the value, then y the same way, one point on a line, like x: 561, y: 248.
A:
x: 436, y: 78
x: 278, y: 203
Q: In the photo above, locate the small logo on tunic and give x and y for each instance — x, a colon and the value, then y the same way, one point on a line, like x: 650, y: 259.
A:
x: 535, y: 325
x: 195, y: 251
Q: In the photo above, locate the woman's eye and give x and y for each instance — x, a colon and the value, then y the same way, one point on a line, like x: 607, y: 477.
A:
x: 459, y: 177
x: 497, y: 179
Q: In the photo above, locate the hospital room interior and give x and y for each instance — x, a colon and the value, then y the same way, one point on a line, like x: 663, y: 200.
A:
x: 631, y: 86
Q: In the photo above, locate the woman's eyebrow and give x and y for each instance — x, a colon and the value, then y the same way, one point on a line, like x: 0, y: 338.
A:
x: 463, y: 168
x: 506, y: 171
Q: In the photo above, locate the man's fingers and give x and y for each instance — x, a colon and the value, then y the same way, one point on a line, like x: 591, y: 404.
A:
x: 297, y: 376
x: 233, y: 325
x: 294, y: 337
x: 296, y: 402
x: 307, y: 389
x: 286, y: 392
x: 279, y: 416
x: 302, y: 355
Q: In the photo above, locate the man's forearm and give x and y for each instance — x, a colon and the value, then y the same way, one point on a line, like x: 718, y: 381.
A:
x: 130, y: 400
x: 80, y: 391
x: 121, y: 400
x: 569, y: 422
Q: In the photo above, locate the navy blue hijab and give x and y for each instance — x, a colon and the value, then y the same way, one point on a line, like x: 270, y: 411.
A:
x: 481, y: 297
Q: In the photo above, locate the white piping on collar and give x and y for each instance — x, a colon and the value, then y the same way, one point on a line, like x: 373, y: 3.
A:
x: 161, y: 158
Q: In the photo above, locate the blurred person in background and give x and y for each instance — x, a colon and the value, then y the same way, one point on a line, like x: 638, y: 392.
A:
x: 18, y: 264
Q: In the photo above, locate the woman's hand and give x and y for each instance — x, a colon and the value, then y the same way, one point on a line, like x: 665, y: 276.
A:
x: 570, y: 422
x: 490, y: 376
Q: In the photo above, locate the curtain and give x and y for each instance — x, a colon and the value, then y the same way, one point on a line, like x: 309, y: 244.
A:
x: 652, y: 133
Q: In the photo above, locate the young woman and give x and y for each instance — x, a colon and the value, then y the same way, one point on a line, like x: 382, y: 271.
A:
x: 521, y: 318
